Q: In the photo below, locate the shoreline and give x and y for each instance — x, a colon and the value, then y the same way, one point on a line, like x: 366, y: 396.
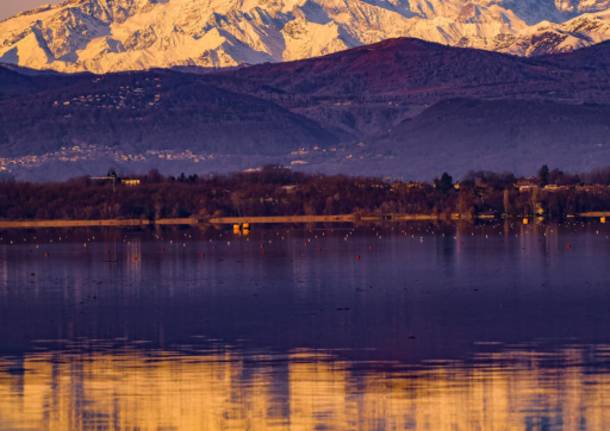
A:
x: 220, y: 221
x: 298, y: 219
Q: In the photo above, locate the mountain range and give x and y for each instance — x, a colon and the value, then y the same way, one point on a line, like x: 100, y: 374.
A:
x: 402, y: 108
x: 104, y: 36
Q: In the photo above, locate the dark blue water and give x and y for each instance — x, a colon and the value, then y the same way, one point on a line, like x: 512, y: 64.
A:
x: 421, y: 327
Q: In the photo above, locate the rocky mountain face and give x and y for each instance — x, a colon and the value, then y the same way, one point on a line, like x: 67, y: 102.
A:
x: 403, y: 108
x: 119, y: 35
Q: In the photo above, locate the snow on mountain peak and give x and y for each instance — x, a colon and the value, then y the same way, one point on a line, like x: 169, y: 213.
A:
x: 114, y: 35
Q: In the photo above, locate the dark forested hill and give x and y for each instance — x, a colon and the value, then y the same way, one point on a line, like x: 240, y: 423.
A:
x: 153, y: 110
x: 402, y: 107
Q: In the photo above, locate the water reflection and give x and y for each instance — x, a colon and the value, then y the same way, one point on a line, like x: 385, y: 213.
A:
x: 129, y: 389
x: 450, y: 328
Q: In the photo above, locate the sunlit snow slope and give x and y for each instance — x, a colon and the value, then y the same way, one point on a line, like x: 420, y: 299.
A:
x: 114, y: 35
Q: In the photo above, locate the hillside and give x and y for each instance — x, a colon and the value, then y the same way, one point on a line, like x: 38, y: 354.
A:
x: 366, y: 90
x: 458, y: 135
x: 403, y: 107
x: 137, y: 112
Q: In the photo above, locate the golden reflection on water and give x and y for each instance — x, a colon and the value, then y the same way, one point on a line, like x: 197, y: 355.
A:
x: 130, y: 390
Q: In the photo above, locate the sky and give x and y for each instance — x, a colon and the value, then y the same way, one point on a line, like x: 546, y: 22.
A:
x: 11, y: 7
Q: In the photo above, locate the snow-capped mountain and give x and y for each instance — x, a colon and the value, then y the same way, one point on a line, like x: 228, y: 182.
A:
x: 115, y: 35
x: 550, y: 38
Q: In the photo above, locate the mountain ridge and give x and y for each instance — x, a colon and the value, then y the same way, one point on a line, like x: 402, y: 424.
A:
x: 104, y: 36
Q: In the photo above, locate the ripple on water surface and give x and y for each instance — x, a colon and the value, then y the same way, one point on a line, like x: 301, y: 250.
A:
x: 420, y: 328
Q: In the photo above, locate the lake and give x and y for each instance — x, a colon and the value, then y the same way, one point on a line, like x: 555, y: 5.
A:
x: 420, y: 327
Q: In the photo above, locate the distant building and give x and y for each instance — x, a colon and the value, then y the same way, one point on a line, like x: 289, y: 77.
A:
x: 114, y: 180
x: 525, y: 186
x: 411, y: 185
x: 131, y: 182
x: 555, y: 188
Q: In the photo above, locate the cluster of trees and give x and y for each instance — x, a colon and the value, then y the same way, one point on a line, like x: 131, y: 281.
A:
x: 279, y: 191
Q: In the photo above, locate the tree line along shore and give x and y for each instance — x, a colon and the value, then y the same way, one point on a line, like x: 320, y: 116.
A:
x: 275, y: 194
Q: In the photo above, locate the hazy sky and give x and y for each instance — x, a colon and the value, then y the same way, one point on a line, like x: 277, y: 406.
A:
x: 11, y: 7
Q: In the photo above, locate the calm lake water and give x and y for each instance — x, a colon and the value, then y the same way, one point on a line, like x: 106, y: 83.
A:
x: 418, y: 328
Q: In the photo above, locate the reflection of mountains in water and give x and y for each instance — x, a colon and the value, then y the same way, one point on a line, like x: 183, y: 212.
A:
x: 512, y: 389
